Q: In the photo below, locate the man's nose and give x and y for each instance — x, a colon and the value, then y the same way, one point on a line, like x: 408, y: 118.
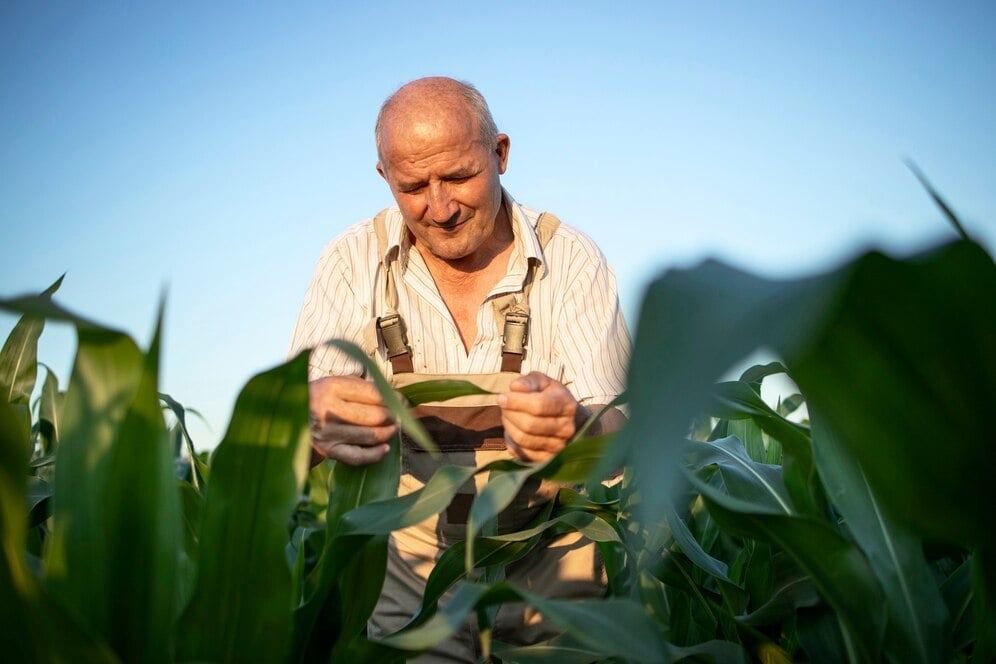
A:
x: 442, y: 209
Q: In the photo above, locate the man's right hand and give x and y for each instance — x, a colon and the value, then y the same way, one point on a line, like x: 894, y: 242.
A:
x: 349, y: 422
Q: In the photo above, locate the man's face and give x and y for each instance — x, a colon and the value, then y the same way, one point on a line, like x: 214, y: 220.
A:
x: 446, y: 183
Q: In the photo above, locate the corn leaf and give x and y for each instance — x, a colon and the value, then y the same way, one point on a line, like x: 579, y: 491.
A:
x: 239, y: 609
x: 106, y: 375
x: 19, y: 355
x: 758, y: 483
x: 325, y: 620
x: 611, y: 627
x: 914, y: 604
x: 197, y: 467
x: 385, y: 516
x: 17, y: 585
x: 563, y: 649
x: 50, y: 404
x: 734, y: 401
x: 143, y: 526
x: 909, y: 336
x: 439, y: 390
x: 839, y: 569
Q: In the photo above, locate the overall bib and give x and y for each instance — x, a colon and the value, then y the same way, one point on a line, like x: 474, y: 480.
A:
x: 468, y: 432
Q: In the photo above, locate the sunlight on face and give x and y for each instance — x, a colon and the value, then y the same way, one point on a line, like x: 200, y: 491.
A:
x: 445, y: 180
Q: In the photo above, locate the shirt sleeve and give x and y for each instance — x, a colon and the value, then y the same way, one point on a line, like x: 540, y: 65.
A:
x: 332, y: 310
x: 592, y: 339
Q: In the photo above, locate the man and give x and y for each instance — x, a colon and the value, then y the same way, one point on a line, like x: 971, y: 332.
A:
x: 457, y: 279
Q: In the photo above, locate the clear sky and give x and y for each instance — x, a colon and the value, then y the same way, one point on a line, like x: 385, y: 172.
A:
x: 213, y: 149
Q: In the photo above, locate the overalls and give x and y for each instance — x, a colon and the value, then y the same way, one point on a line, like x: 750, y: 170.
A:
x: 468, y: 432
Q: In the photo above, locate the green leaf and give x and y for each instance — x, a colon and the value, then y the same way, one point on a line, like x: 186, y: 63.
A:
x: 820, y: 636
x: 610, y: 627
x: 111, y: 554
x: 143, y: 525
x: 577, y: 462
x: 106, y: 375
x: 759, y: 484
x: 563, y: 649
x: 908, y: 336
x: 952, y: 217
x: 791, y: 592
x: 19, y: 355
x: 838, y: 568
x: 957, y: 592
x: 451, y: 567
x: 735, y: 401
x: 752, y: 437
x: 191, y: 509
x: 443, y: 624
x: 915, y: 608
x: 17, y: 584
x: 496, y: 495
x: 325, y: 620
x: 911, y: 338
x: 50, y: 407
x: 693, y: 549
x: 385, y: 516
x: 756, y: 374
x: 39, y: 500
x: 591, y: 526
x: 197, y: 467
x: 239, y: 610
x: 439, y: 390
x: 715, y: 651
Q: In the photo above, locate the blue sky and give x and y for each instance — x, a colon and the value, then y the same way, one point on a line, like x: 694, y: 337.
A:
x: 212, y: 149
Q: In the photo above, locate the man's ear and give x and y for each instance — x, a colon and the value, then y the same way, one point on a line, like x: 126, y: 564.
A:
x: 502, y: 146
x: 380, y: 170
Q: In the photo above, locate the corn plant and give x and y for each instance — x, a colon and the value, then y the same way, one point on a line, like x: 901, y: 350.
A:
x: 735, y: 532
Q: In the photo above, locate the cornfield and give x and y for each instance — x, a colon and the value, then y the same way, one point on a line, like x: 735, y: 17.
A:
x: 739, y: 531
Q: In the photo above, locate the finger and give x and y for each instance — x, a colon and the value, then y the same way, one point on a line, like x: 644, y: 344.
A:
x: 350, y: 434
x: 542, y: 404
x: 367, y: 415
x: 358, y: 390
x: 561, y: 426
x: 514, y: 448
x: 354, y: 455
x: 344, y: 388
x: 532, y: 447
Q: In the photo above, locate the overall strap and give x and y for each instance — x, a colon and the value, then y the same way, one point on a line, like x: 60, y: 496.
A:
x: 390, y: 326
x: 514, y: 309
x: 511, y: 309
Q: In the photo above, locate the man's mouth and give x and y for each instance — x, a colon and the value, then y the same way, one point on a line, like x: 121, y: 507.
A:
x: 450, y: 226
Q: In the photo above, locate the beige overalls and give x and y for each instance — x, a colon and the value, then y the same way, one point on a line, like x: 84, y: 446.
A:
x: 468, y: 432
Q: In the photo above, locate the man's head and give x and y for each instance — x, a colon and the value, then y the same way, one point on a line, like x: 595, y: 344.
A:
x: 441, y: 154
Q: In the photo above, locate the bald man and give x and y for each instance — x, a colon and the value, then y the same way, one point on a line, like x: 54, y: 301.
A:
x: 458, y: 280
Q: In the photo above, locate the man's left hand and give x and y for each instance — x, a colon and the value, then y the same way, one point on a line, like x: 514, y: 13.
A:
x: 539, y: 415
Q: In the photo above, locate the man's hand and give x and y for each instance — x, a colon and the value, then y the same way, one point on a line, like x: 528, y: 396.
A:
x: 539, y: 415
x: 349, y: 422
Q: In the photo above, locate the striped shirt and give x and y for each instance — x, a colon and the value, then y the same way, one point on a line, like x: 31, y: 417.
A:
x: 577, y: 334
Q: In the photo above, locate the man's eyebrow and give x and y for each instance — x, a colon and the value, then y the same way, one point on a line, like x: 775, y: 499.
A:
x: 410, y: 184
x: 462, y: 172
